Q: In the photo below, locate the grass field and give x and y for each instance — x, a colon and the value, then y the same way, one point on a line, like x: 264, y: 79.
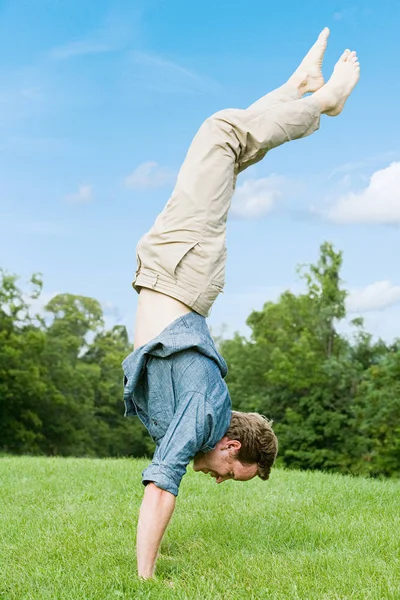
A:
x: 67, y: 531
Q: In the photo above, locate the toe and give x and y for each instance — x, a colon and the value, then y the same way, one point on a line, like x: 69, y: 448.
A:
x: 324, y: 33
x: 345, y: 55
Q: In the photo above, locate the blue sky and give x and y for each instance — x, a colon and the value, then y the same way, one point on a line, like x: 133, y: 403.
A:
x: 100, y: 100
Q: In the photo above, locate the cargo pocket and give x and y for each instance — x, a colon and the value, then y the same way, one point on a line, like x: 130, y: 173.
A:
x: 175, y: 254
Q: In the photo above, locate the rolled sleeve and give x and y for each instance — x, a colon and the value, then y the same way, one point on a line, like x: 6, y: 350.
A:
x: 162, y: 476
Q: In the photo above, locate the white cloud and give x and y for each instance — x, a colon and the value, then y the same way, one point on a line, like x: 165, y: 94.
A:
x: 33, y: 93
x: 370, y: 161
x: 23, y: 92
x: 256, y: 197
x: 376, y: 296
x: 78, y: 48
x: 149, y: 175
x: 163, y: 75
x: 84, y: 194
x: 112, y: 315
x: 110, y: 309
x: 338, y: 16
x: 347, y: 12
x: 116, y: 32
x: 382, y: 324
x: 379, y: 202
x: 37, y: 305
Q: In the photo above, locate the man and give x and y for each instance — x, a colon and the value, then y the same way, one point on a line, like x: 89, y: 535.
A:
x: 174, y: 379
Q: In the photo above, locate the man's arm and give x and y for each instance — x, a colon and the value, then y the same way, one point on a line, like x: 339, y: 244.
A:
x: 185, y: 436
x: 155, y: 513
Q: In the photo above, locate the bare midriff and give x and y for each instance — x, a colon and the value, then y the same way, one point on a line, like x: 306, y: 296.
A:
x: 155, y: 312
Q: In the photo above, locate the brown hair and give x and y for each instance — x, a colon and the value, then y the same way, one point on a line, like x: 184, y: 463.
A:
x: 259, y: 443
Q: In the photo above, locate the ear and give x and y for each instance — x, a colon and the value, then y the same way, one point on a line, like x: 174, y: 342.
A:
x: 232, y: 445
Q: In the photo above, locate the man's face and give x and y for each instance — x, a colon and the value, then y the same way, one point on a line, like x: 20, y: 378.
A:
x: 222, y: 465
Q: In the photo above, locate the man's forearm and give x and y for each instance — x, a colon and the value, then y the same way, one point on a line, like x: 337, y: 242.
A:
x: 155, y: 513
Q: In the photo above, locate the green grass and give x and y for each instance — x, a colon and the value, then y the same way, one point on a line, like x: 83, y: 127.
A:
x: 67, y: 531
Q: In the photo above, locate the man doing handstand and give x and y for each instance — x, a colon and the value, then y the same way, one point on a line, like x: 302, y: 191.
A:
x: 174, y: 379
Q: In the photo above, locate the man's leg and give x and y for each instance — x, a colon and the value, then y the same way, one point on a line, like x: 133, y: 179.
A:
x: 307, y: 78
x: 183, y: 255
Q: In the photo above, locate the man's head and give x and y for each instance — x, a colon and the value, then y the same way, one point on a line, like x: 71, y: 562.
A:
x: 248, y: 448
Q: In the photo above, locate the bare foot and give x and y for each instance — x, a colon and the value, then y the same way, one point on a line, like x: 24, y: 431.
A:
x: 308, y: 76
x: 332, y: 96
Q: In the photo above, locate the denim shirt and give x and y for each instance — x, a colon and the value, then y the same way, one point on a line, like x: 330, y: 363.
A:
x: 175, y: 385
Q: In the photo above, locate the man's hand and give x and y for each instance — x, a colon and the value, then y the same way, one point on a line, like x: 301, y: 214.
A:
x: 155, y: 513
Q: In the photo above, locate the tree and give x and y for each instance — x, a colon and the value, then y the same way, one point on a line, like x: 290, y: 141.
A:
x: 61, y: 378
x: 299, y: 371
x: 21, y: 383
x: 377, y: 411
x: 323, y: 282
x: 114, y: 435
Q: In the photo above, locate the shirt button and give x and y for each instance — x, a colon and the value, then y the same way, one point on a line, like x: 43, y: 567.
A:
x: 155, y: 422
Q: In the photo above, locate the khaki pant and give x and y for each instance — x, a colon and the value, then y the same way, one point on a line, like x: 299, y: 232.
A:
x: 184, y: 253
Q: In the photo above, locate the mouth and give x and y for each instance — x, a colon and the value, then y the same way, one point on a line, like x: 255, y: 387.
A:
x: 211, y: 473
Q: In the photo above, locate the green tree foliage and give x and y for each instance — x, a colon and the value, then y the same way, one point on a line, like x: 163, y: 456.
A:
x: 21, y: 382
x: 335, y: 400
x: 61, y: 380
x: 297, y: 370
x: 377, y: 409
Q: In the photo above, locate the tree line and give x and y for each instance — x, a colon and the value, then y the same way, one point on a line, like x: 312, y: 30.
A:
x: 334, y: 399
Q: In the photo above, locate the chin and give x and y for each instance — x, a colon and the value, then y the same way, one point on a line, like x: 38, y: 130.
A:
x: 196, y: 460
